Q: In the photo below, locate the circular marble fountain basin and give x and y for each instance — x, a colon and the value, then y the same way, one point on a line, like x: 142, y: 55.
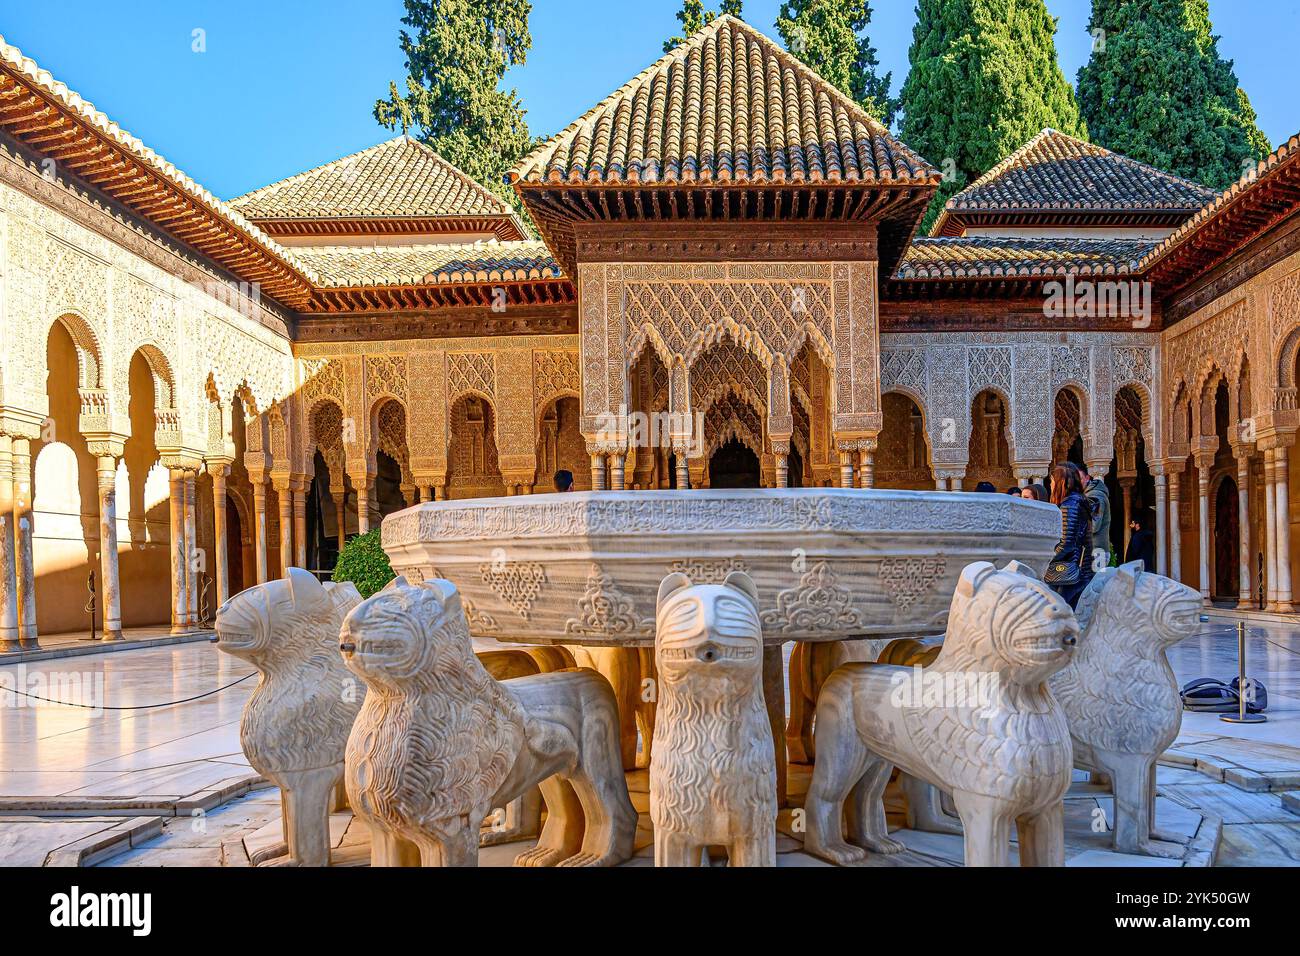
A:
x: 830, y: 564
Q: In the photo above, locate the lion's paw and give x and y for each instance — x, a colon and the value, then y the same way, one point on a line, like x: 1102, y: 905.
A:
x: 841, y: 854
x: 884, y: 845
x: 586, y: 859
x: 539, y: 856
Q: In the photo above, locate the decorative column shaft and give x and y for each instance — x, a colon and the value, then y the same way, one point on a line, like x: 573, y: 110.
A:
x: 597, y: 471
x: 222, y: 569
x: 846, y: 469
x: 1283, y: 518
x: 1203, y: 534
x: 617, y: 463
x: 1126, y: 486
x: 783, y: 471
x: 1243, y: 529
x: 362, y: 488
x: 259, y: 528
x: 1162, y: 524
x: 683, y: 469
x: 1270, y: 530
x: 193, y: 562
x: 176, y: 505
x: 867, y: 469
x: 300, y: 525
x: 1175, y: 526
x: 110, y: 582
x: 24, y: 565
x: 8, y: 546
x: 284, y: 496
x: 341, y: 516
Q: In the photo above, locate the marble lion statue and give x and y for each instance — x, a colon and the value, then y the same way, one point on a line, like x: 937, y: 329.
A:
x: 295, y: 726
x: 439, y: 743
x: 1119, y: 692
x: 713, y: 763
x: 997, y: 740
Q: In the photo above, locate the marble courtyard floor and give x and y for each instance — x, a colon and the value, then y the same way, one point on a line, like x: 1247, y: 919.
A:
x: 170, y: 787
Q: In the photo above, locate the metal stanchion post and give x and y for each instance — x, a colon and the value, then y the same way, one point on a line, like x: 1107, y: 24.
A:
x: 1244, y: 685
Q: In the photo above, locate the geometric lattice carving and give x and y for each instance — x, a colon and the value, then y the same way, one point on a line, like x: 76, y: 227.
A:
x: 470, y: 372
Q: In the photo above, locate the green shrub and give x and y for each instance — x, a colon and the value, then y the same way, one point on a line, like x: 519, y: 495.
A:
x: 364, y: 563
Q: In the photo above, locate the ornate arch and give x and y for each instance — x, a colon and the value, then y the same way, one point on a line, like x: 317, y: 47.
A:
x: 90, y: 353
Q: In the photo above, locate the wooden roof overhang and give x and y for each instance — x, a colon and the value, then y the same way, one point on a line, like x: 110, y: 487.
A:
x: 1243, y: 212
x: 895, y: 210
x: 48, y: 118
x: 503, y: 228
x: 437, y: 294
x: 955, y: 223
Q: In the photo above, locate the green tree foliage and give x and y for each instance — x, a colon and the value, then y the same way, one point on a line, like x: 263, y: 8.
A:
x: 457, y: 53
x: 829, y: 36
x: 1156, y: 89
x: 694, y: 18
x: 364, y: 563
x: 984, y: 80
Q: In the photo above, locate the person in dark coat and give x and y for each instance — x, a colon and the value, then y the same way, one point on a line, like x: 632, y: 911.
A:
x: 1071, y: 567
x: 1142, y: 542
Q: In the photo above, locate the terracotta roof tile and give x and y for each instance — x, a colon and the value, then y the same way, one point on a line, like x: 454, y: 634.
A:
x: 400, y: 177
x: 970, y: 257
x: 1054, y: 172
x: 352, y: 266
x: 728, y: 105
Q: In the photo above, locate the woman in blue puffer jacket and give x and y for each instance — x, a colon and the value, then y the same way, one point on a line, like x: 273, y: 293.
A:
x: 1071, y: 567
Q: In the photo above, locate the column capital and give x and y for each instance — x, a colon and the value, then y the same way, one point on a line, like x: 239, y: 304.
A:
x: 105, y: 444
x: 219, y: 466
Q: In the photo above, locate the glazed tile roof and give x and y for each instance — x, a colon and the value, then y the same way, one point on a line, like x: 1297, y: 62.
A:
x: 971, y: 257
x: 354, y: 266
x: 398, y: 178
x: 1283, y: 162
x: 728, y: 105
x: 1054, y: 172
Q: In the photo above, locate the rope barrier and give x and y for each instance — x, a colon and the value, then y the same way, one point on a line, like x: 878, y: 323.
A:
x: 170, y: 703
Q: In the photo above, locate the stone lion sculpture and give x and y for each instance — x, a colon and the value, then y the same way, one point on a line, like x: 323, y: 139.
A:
x: 439, y: 743
x: 1119, y: 692
x: 713, y: 763
x: 1005, y: 759
x: 295, y: 725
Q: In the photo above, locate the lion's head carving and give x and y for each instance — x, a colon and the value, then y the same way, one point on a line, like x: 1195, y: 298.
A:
x: 1010, y: 622
x: 282, y: 622
x: 710, y: 630
x: 1131, y: 602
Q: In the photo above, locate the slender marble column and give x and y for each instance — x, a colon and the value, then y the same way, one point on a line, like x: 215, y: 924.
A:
x: 111, y: 587
x: 176, y: 504
x: 617, y: 462
x: 1162, y: 524
x: 867, y: 471
x: 8, y: 544
x: 341, y: 516
x: 1270, y: 529
x: 222, y: 568
x: 440, y: 492
x: 24, y: 565
x: 1126, y: 486
x: 683, y: 471
x: 362, y: 488
x: 846, y: 469
x: 1283, y: 518
x: 1175, y: 526
x: 259, y: 528
x: 598, y: 472
x: 1203, y: 534
x: 782, y: 471
x: 300, y: 527
x: 284, y: 495
x: 193, y: 560
x: 1243, y: 529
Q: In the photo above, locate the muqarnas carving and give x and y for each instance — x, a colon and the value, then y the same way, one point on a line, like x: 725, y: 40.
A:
x: 295, y: 725
x: 439, y: 743
x: 1003, y: 751
x: 713, y: 764
x: 1119, y: 692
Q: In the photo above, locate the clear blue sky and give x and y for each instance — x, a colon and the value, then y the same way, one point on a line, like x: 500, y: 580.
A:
x: 286, y: 84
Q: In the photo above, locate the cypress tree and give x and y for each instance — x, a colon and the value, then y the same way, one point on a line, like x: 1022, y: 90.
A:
x: 829, y: 36
x: 984, y: 79
x: 694, y: 18
x: 1156, y: 89
x: 456, y: 57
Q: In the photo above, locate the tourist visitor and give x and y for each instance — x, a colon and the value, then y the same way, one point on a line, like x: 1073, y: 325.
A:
x: 563, y: 480
x: 1014, y: 491
x: 1142, y: 543
x: 985, y: 488
x: 1033, y: 492
x: 1070, y: 569
x: 1094, y: 489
